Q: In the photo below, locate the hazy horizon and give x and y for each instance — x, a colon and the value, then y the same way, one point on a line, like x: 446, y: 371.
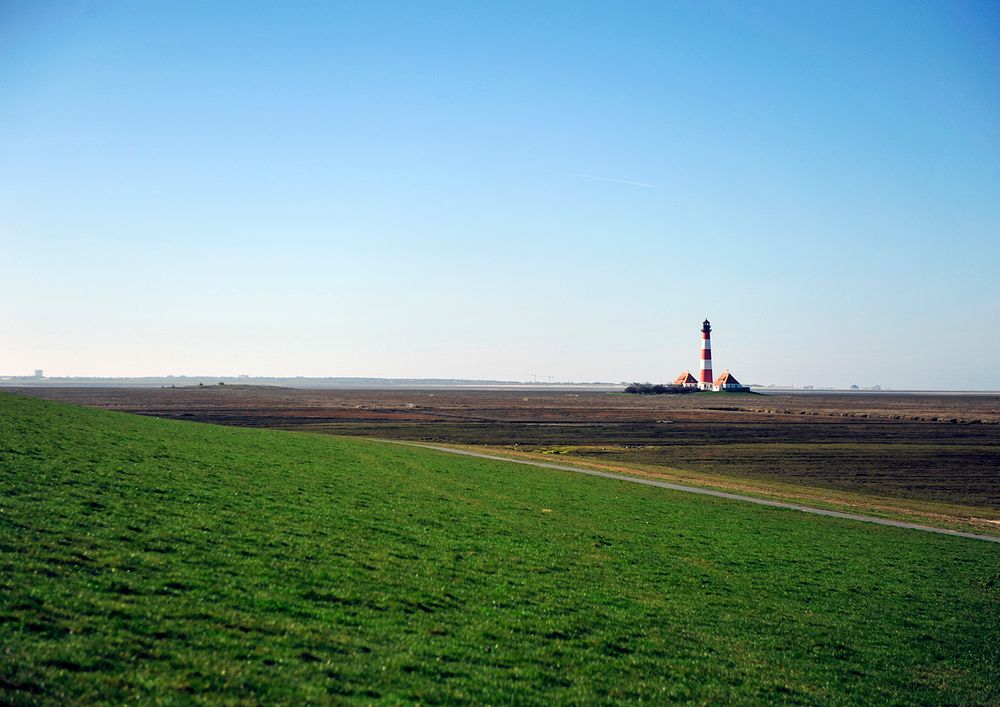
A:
x: 20, y: 379
x: 503, y: 192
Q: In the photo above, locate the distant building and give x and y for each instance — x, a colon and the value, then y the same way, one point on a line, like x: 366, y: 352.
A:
x: 727, y: 381
x: 39, y: 373
x: 687, y: 380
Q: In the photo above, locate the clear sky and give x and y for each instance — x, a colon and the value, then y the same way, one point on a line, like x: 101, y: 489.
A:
x: 502, y: 190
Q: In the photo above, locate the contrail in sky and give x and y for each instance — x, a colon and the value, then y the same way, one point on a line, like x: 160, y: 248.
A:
x: 609, y: 179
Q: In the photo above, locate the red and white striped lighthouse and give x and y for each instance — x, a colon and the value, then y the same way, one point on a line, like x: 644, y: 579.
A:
x: 705, y: 376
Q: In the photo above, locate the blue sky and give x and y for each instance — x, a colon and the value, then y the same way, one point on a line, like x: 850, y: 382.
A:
x: 428, y: 190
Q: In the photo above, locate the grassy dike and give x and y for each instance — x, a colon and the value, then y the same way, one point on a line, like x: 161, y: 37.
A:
x: 144, y: 559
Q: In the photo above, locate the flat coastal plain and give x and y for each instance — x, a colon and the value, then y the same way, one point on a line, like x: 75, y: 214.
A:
x: 928, y: 458
x: 147, y: 561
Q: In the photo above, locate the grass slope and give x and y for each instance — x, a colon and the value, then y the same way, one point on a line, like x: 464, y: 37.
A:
x: 143, y: 559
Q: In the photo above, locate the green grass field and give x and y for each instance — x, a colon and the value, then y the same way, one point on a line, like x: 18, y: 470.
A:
x: 144, y: 559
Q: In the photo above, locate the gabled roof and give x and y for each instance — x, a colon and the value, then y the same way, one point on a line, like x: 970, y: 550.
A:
x: 726, y: 378
x: 685, y: 377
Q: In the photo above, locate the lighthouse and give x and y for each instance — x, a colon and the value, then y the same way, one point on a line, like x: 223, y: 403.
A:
x: 705, y: 376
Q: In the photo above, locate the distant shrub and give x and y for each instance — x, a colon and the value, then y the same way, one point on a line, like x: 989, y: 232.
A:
x: 658, y: 389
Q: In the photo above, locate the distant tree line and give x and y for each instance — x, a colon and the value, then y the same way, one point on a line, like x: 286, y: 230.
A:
x: 658, y: 389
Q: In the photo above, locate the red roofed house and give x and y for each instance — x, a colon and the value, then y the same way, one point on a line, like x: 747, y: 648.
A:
x: 687, y: 380
x: 727, y: 381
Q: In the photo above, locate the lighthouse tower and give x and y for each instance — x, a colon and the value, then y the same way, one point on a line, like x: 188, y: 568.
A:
x: 705, y: 376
